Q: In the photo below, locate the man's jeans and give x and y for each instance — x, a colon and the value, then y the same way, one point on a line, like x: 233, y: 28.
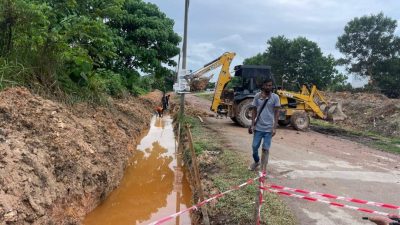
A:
x: 258, y: 136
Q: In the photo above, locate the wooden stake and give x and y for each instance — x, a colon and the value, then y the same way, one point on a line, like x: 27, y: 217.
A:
x: 206, y: 220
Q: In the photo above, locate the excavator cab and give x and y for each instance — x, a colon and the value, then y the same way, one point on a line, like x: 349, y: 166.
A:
x: 249, y: 79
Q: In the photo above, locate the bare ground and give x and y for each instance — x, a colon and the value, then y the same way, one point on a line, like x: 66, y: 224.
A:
x: 58, y: 162
x: 369, y: 112
x: 319, y: 162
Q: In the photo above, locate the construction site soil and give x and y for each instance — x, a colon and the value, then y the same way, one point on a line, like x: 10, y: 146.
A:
x: 369, y: 112
x: 57, y: 162
x: 199, y: 84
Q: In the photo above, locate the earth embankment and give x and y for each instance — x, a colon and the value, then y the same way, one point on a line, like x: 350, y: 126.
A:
x: 57, y: 162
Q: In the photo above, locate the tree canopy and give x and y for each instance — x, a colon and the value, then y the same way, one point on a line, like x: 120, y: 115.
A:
x: 298, y: 61
x: 371, y: 49
x: 388, y: 77
x: 92, y: 45
x: 367, y: 41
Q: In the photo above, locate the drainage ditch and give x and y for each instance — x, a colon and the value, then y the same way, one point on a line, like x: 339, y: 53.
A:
x: 154, y: 185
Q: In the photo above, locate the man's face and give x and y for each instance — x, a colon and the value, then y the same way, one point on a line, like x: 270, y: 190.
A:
x: 267, y: 87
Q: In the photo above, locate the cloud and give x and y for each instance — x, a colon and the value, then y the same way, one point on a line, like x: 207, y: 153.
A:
x: 205, y: 52
x: 201, y: 53
x: 244, y: 26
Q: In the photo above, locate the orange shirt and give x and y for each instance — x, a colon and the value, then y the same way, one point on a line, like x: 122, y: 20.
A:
x: 159, y: 109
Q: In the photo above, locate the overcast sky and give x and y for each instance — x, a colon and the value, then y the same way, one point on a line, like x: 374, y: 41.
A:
x: 244, y: 26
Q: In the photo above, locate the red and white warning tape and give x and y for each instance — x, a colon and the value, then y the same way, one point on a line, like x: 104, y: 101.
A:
x: 359, y: 201
x: 281, y: 191
x: 167, y: 218
x: 327, y: 202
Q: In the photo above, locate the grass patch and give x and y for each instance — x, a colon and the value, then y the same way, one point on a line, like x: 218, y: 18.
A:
x: 206, y: 95
x: 200, y: 141
x: 200, y: 146
x: 194, y: 124
x: 228, y: 169
x: 389, y: 145
x: 371, y: 139
x: 240, y: 203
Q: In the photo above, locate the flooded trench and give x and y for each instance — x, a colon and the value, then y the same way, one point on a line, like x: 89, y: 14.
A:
x: 154, y: 184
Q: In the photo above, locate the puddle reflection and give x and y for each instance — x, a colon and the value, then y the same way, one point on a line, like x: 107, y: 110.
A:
x: 159, y: 123
x: 153, y: 186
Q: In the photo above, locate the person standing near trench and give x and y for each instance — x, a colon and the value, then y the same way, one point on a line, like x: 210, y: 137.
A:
x: 167, y: 99
x: 164, y: 102
x: 264, y: 120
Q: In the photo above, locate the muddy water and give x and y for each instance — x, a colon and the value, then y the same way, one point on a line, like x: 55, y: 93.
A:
x: 153, y: 186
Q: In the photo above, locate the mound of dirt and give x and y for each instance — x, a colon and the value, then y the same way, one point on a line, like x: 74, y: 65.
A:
x: 56, y: 162
x: 369, y: 112
x: 199, y: 84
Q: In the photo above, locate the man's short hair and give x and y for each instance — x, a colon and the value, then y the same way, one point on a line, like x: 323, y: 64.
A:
x: 267, y: 81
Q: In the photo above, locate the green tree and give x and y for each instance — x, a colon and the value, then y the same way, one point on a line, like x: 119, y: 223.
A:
x: 388, y: 73
x: 298, y: 61
x: 93, y: 46
x: 368, y: 41
x: 259, y: 59
x: 24, y: 31
x: 147, y: 40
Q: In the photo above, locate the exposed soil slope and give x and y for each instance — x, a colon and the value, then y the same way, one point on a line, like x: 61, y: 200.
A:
x: 58, y: 162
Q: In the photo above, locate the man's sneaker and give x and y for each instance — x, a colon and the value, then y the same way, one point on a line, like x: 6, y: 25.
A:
x: 254, y: 166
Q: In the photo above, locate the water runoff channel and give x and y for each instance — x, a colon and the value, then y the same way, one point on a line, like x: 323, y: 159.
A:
x: 154, y: 184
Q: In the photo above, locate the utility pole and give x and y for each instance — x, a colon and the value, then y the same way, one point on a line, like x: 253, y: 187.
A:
x: 184, y: 50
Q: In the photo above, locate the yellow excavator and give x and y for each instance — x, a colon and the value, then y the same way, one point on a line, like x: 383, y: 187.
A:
x: 224, y: 61
x: 297, y: 107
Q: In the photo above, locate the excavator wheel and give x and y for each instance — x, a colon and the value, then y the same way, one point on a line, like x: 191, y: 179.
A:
x: 300, y: 120
x: 234, y: 119
x: 243, y: 115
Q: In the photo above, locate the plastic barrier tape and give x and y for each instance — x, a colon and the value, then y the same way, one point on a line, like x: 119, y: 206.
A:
x: 311, y: 199
x: 167, y: 218
x: 359, y: 201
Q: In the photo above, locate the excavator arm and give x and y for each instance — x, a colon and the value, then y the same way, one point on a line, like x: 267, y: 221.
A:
x: 313, y: 101
x: 311, y: 98
x: 223, y: 78
x: 224, y: 61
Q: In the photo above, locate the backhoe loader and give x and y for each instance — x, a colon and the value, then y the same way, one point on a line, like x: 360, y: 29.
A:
x: 297, y: 107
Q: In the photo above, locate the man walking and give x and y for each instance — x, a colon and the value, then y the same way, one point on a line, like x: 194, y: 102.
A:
x: 264, y: 120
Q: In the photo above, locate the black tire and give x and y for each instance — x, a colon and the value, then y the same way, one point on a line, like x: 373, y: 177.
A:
x: 285, y: 122
x: 234, y: 119
x: 243, y: 114
x: 300, y: 120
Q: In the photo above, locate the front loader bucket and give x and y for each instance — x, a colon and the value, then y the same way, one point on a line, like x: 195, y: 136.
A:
x: 333, y: 111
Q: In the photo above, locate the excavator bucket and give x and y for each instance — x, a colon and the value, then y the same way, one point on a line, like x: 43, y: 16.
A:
x: 333, y: 111
x: 199, y: 84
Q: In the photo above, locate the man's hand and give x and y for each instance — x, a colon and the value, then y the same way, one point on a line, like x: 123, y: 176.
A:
x: 251, y: 129
x: 381, y: 220
x: 273, y: 131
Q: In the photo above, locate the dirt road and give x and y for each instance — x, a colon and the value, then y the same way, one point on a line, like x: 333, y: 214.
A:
x: 318, y: 162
